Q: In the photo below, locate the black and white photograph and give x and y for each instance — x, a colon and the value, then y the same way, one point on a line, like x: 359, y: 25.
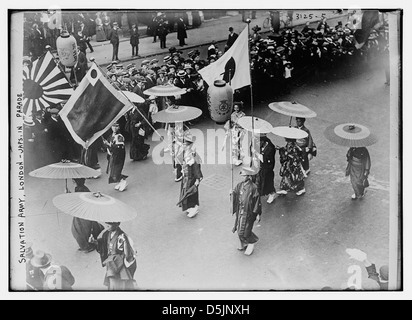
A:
x: 161, y: 149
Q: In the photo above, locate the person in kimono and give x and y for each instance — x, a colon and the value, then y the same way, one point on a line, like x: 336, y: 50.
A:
x: 116, y: 155
x: 118, y: 256
x: 247, y: 209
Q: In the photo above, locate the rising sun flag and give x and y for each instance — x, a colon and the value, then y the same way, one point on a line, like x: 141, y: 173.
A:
x: 44, y: 85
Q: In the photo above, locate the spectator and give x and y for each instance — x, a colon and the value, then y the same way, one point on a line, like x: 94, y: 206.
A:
x: 134, y: 41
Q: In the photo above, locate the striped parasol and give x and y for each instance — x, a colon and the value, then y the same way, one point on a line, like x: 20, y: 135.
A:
x: 167, y: 90
x: 350, y: 135
x: 44, y: 84
x: 94, y: 206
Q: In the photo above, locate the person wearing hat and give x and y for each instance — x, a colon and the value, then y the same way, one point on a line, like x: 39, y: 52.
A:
x: 81, y: 40
x: 306, y: 144
x: 358, y: 168
x: 212, y: 49
x: 162, y: 31
x: 34, y: 278
x: 118, y: 256
x: 54, y: 277
x: 113, y: 36
x: 181, y: 31
x: 182, y: 81
x: 256, y: 36
x: 192, y: 176
x: 134, y: 41
x: 231, y: 38
x: 116, y: 155
x: 247, y: 209
x: 291, y: 170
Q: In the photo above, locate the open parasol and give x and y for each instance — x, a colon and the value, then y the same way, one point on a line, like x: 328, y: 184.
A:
x: 94, y: 206
x: 133, y: 97
x: 290, y: 133
x: 255, y: 125
x: 177, y: 114
x: 292, y: 109
x: 64, y: 170
x: 167, y: 90
x: 350, y: 135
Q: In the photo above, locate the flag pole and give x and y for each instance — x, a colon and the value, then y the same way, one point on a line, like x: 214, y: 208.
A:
x: 248, y: 21
x: 120, y: 90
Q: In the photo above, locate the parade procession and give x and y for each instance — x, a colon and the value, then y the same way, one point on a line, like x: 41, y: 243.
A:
x: 193, y: 150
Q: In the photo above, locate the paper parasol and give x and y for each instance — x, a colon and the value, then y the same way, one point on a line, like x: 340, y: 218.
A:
x: 64, y: 170
x: 164, y: 91
x: 177, y: 114
x: 292, y: 109
x: 350, y: 135
x: 256, y: 126
x: 133, y: 97
x: 290, y: 133
x: 94, y: 206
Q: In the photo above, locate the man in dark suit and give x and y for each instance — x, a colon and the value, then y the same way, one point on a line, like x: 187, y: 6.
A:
x: 231, y: 38
x: 134, y: 40
x: 113, y: 36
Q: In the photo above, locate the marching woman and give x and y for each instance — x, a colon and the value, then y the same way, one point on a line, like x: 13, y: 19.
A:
x: 291, y: 171
x: 137, y: 127
x: 116, y: 155
x: 192, y: 175
x: 359, y: 165
x: 247, y: 209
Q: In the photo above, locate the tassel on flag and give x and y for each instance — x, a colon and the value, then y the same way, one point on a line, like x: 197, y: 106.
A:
x: 234, y: 64
x: 93, y: 108
x: 44, y: 85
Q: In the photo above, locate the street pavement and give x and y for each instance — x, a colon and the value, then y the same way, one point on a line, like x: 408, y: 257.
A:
x: 302, y: 239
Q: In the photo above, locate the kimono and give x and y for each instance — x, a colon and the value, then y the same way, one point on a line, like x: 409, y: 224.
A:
x: 82, y: 228
x: 137, y: 128
x: 359, y: 164
x: 306, y: 144
x: 191, y: 170
x: 291, y: 171
x: 266, y: 176
x: 246, y: 207
x: 116, y: 155
x: 118, y: 256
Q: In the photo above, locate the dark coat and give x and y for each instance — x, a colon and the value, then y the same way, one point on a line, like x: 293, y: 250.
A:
x: 113, y: 36
x: 181, y: 29
x: 134, y: 37
x: 231, y: 39
x: 265, y: 179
